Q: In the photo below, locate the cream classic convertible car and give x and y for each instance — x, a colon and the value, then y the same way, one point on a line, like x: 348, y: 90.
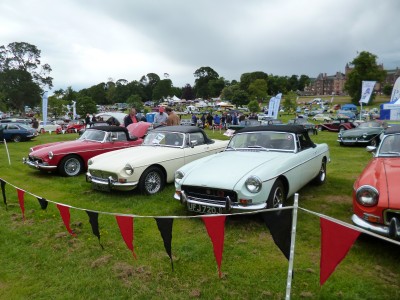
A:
x: 153, y: 164
x: 262, y: 166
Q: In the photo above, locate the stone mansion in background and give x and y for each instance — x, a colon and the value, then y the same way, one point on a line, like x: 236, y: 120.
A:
x: 334, y: 84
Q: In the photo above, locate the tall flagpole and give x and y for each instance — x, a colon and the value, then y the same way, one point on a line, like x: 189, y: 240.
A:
x: 292, y: 243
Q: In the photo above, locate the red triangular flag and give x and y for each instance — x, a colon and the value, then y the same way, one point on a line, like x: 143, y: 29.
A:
x: 125, y: 224
x: 21, y: 194
x: 216, y: 230
x: 336, y: 241
x: 64, y: 212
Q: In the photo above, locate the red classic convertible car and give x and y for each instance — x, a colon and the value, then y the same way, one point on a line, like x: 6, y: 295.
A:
x: 70, y: 158
x: 376, y: 192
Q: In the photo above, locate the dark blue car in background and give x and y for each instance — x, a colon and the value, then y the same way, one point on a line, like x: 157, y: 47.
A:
x: 16, y: 132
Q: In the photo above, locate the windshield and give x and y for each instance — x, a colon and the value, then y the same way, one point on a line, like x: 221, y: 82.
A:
x: 263, y: 140
x: 369, y: 125
x: 390, y: 146
x: 93, y: 135
x: 170, y: 139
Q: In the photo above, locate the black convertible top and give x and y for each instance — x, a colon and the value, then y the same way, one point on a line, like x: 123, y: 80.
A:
x: 109, y: 128
x: 298, y: 129
x: 393, y: 129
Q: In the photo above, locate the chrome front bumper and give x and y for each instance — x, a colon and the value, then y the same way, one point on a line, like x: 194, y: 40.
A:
x: 227, y: 207
x: 111, y: 183
x: 37, y: 165
x: 375, y: 228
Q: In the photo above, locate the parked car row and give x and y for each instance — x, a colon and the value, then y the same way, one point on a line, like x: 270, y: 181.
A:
x: 266, y: 164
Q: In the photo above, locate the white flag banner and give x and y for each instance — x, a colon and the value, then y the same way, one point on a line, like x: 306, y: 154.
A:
x: 271, y: 107
x: 395, y: 98
x: 44, y: 108
x: 366, y: 91
x: 276, y: 105
x: 73, y: 110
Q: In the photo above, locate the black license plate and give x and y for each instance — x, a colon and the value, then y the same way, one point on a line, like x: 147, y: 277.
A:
x: 204, y: 209
x: 100, y: 187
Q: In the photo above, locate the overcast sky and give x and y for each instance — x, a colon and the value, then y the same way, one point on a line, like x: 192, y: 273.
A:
x: 89, y: 41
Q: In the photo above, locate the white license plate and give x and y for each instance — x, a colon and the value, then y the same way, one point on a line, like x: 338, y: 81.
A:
x: 100, y: 187
x: 204, y: 209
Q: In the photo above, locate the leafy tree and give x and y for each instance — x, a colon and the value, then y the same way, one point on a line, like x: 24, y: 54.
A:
x: 293, y: 83
x: 215, y: 86
x: 97, y: 93
x: 253, y: 106
x: 228, y: 91
x: 162, y: 89
x: 303, y: 82
x: 240, y: 98
x: 366, y: 68
x: 70, y: 94
x: 56, y: 107
x: 247, y: 78
x: 187, y: 92
x: 387, y: 89
x: 18, y: 89
x: 26, y: 57
x: 23, y: 78
x: 149, y: 82
x: 135, y: 101
x: 84, y: 105
x: 258, y: 89
x: 289, y: 101
x: 203, y: 75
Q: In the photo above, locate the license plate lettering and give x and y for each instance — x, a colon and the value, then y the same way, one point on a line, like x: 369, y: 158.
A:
x: 204, y: 209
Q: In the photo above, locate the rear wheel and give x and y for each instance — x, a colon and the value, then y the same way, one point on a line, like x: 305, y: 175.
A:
x: 152, y: 181
x: 321, y: 177
x: 277, y: 196
x: 374, y: 142
x: 16, y: 138
x: 70, y: 165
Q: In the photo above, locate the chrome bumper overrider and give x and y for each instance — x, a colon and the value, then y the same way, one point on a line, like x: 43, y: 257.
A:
x: 111, y: 183
x: 37, y: 165
x: 379, y: 229
x: 228, y: 206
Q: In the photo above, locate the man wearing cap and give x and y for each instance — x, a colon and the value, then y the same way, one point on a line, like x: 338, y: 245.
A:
x: 161, y: 117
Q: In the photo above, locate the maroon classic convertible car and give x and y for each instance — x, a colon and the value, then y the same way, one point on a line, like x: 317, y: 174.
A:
x: 70, y: 158
x: 337, y: 125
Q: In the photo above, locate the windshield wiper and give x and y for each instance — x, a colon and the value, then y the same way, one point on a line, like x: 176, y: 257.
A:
x: 258, y: 147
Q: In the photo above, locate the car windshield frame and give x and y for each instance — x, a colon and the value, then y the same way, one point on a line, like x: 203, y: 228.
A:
x: 165, y: 139
x: 263, y: 141
x: 389, y: 146
x: 93, y: 135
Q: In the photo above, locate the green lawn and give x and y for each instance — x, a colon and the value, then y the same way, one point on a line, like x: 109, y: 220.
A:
x: 40, y: 260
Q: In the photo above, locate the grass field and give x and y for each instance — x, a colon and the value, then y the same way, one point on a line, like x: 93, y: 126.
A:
x: 40, y: 260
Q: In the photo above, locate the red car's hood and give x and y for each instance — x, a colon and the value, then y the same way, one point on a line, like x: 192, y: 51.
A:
x: 63, y: 147
x: 383, y: 174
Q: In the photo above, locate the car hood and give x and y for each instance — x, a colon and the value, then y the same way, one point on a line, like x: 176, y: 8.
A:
x: 136, y: 156
x: 226, y: 169
x: 383, y: 174
x: 360, y: 131
x: 63, y: 147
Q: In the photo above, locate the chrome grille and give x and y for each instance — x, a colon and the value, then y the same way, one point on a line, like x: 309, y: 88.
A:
x: 103, y: 174
x: 210, y: 195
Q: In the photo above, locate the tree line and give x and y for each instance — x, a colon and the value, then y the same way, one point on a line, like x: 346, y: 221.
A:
x: 24, y: 78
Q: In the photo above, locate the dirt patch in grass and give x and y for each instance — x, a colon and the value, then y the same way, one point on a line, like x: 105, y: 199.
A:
x: 101, y: 261
x: 125, y: 272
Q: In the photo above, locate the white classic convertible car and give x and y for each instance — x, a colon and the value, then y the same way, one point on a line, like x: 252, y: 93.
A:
x: 154, y: 163
x: 260, y: 168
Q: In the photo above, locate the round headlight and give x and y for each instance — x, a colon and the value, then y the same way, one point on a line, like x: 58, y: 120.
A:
x: 253, y: 184
x: 90, y: 162
x: 30, y: 150
x: 128, y: 169
x: 51, y: 155
x: 178, y: 176
x: 367, y: 195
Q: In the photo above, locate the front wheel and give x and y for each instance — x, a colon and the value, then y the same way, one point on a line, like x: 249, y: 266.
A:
x: 16, y: 138
x: 152, y: 181
x: 321, y: 177
x: 374, y: 142
x: 277, y: 196
x: 70, y: 165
